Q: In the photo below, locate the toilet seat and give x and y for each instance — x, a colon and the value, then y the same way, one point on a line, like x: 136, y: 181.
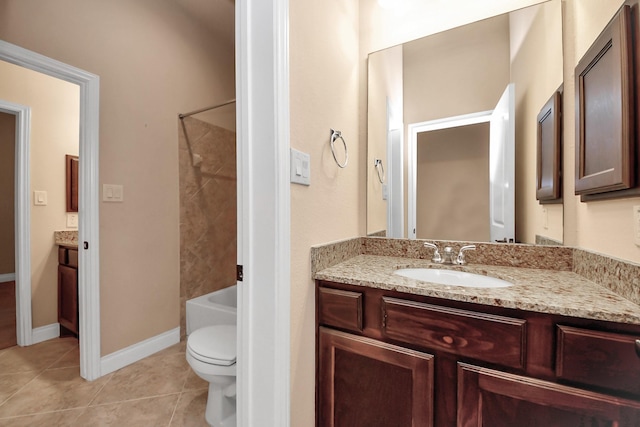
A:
x: 215, y: 345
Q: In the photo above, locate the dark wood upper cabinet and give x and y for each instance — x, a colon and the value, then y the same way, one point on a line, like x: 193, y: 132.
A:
x: 549, y: 164
x: 605, y: 110
x: 72, y: 182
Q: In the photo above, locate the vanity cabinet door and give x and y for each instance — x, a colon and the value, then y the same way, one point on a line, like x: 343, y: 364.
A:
x: 498, y: 399
x: 368, y: 383
x: 68, y: 298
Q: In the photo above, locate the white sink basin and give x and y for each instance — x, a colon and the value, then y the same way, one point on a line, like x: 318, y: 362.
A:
x: 452, y: 277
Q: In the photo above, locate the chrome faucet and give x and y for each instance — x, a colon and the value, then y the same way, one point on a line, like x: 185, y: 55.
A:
x: 436, y: 253
x: 461, y: 260
x: 449, y: 254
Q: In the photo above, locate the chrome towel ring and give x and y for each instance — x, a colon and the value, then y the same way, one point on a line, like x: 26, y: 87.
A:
x: 336, y: 134
x: 377, y: 163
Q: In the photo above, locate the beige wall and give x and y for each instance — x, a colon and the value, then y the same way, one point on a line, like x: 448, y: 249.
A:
x: 324, y: 86
x: 536, y: 70
x: 384, y: 92
x: 7, y: 183
x: 606, y: 226
x: 154, y: 61
x: 55, y: 109
x: 382, y: 28
x: 452, y: 197
x: 461, y: 71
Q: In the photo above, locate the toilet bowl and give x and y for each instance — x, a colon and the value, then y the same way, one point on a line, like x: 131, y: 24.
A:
x: 211, y: 353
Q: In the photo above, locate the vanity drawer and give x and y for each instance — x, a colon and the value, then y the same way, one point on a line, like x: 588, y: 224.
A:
x: 340, y: 309
x: 602, y: 359
x: 487, y: 337
x: 72, y: 258
x: 68, y: 256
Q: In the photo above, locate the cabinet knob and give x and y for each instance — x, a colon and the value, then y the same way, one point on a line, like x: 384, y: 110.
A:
x: 638, y: 347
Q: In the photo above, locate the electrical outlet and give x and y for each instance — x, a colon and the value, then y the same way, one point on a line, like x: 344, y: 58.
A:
x: 636, y: 224
x: 72, y: 220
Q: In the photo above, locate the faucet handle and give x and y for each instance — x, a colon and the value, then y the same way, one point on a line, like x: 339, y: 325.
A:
x: 436, y: 252
x: 461, y: 260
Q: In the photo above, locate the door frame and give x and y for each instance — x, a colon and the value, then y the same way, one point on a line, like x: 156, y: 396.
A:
x: 22, y: 215
x: 88, y: 209
x: 264, y: 206
x: 412, y: 156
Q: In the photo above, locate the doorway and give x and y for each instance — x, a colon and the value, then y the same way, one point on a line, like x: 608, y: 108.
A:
x: 8, y: 335
x: 88, y: 278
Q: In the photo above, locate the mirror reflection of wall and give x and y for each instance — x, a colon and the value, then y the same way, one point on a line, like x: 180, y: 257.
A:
x: 463, y: 71
x: 453, y: 184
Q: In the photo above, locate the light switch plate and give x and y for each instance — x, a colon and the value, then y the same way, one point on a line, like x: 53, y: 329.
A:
x: 40, y: 198
x: 545, y: 218
x: 112, y: 193
x: 300, y: 167
x: 636, y: 224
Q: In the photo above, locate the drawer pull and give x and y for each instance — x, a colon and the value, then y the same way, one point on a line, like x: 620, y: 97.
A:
x: 447, y: 339
x: 638, y: 347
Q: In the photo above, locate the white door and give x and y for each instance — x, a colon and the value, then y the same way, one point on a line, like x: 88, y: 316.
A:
x: 502, y: 168
x: 395, y: 183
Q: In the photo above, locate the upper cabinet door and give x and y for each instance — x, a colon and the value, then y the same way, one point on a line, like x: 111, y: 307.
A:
x: 605, y: 125
x: 548, y: 176
x: 71, y: 163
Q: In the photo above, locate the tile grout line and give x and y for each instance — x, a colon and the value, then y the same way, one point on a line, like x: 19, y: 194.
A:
x: 37, y: 374
x: 173, y: 413
x: 101, y: 388
x: 60, y: 358
x: 136, y: 399
x: 23, y: 386
x: 12, y: 417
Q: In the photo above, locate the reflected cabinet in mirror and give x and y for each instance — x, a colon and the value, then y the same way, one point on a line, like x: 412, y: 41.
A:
x: 71, y: 163
x: 452, y: 120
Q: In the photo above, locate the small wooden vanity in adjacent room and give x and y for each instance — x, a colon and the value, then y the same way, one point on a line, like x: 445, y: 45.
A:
x: 68, y: 289
x: 553, y: 350
x: 68, y: 317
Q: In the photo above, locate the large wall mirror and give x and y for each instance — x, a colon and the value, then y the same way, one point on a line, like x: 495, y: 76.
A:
x: 452, y: 122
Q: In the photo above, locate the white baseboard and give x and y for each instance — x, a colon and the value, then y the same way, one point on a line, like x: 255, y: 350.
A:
x: 127, y: 356
x: 9, y: 277
x: 44, y: 333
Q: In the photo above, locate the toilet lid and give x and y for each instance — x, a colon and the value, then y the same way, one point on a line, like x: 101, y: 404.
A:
x: 214, y: 344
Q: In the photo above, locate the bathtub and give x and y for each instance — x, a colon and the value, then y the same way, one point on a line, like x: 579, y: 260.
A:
x: 216, y: 308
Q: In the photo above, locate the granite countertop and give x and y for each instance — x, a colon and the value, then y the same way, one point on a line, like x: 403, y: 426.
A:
x: 546, y: 291
x: 67, y: 238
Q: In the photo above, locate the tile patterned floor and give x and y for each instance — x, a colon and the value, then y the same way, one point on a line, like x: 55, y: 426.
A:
x: 40, y: 385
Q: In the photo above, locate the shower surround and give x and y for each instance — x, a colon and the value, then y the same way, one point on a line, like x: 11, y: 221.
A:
x: 207, y: 156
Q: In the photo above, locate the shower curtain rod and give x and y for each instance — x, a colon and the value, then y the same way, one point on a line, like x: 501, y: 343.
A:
x: 191, y: 113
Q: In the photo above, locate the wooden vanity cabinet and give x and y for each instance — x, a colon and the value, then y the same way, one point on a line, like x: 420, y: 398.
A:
x: 488, y: 397
x: 370, y: 383
x: 68, y: 288
x: 409, y: 360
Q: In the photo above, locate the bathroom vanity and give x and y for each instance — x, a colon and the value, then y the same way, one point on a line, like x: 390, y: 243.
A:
x: 67, y: 242
x: 68, y: 288
x: 555, y: 349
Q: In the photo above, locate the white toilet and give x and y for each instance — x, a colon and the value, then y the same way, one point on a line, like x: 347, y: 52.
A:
x: 211, y: 353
